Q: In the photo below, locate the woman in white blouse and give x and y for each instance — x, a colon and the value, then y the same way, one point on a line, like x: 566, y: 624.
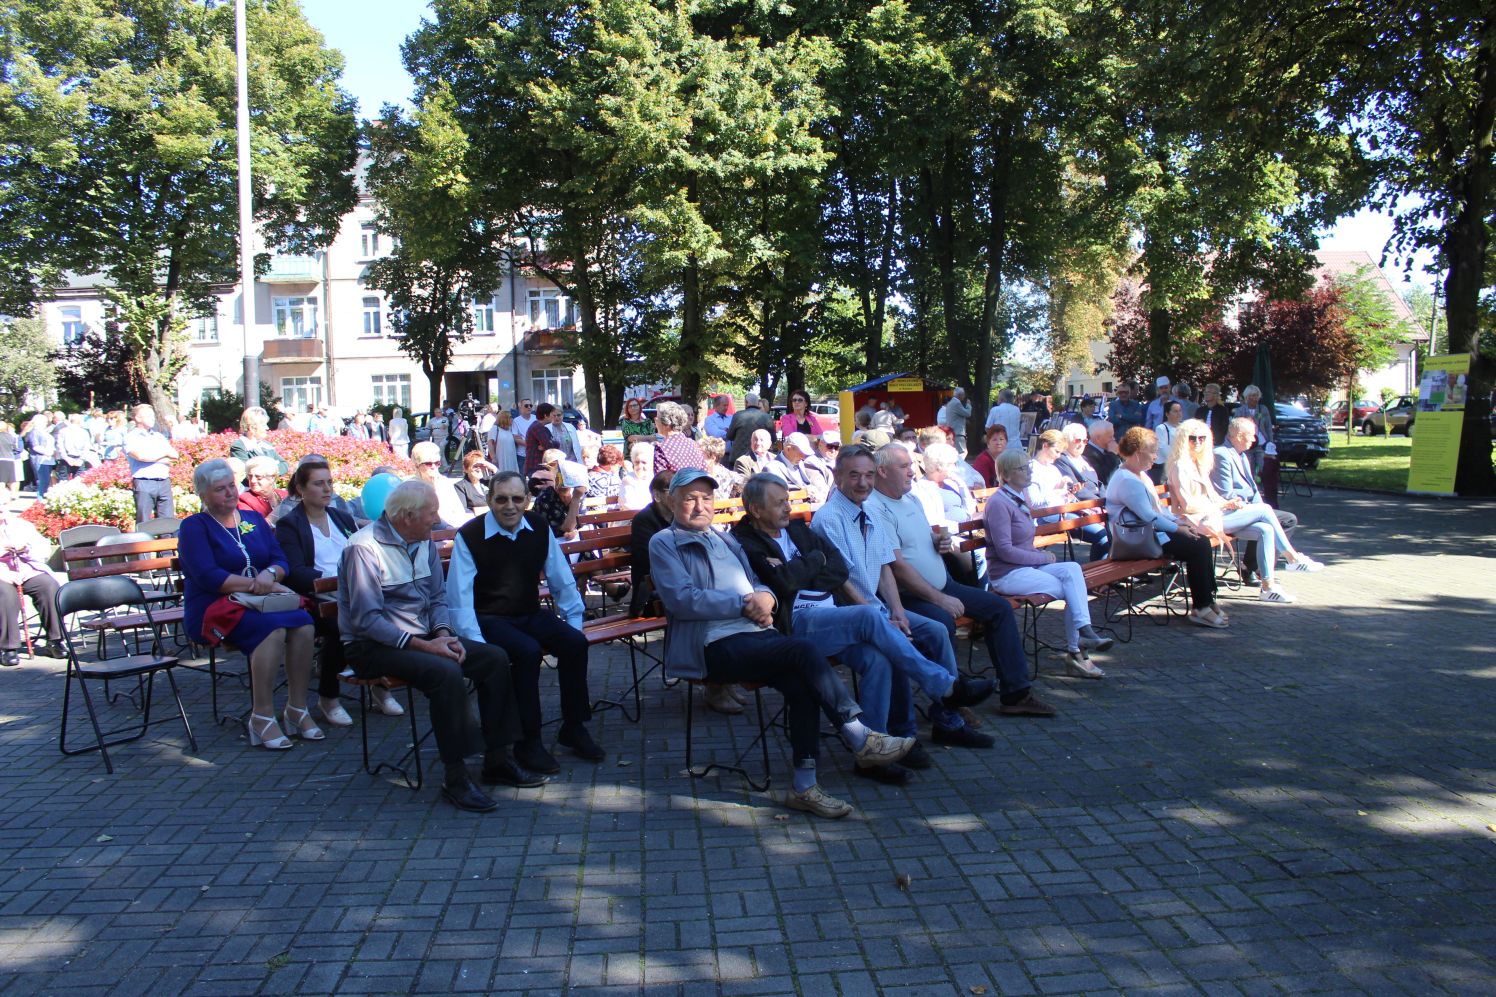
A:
x: 1166, y: 432
x: 1048, y: 485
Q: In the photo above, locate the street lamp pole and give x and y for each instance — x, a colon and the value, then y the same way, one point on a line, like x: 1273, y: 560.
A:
x: 246, y: 217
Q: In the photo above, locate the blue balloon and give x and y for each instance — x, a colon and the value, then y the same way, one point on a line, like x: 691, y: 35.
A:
x: 376, y: 490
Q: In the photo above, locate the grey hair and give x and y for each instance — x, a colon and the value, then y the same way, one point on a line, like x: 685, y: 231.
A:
x: 1009, y: 461
x: 1074, y: 430
x: 1251, y: 389
x: 408, y: 497
x: 756, y: 489
x: 425, y: 450
x: 885, y: 453
x: 1005, y: 395
x: 940, y: 457
x: 209, y: 471
x: 673, y: 415
x: 642, y: 451
x: 263, y: 461
x: 1241, y: 422
x: 750, y: 400
x: 1099, y: 427
x: 768, y: 436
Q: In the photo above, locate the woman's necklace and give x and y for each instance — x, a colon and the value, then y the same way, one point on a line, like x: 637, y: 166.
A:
x: 233, y: 532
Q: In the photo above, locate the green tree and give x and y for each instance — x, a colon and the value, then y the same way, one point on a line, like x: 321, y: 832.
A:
x: 444, y: 251
x: 26, y: 367
x: 117, y: 154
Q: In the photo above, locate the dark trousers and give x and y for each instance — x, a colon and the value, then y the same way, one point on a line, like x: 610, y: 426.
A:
x: 329, y: 659
x: 525, y: 639
x: 1199, y: 566
x: 1004, y: 642
x: 42, y: 590
x: 43, y: 474
x: 802, y: 675
x: 442, y: 680
x: 152, y: 499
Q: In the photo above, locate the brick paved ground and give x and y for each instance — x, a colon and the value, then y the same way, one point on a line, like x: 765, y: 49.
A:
x: 1300, y: 803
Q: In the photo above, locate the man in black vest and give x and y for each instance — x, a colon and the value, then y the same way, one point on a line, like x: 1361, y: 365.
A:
x: 493, y: 587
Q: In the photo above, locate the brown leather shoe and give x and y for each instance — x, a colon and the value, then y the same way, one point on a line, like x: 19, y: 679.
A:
x: 1028, y: 706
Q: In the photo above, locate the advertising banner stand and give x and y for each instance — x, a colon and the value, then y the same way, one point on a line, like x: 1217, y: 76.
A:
x: 1437, y: 424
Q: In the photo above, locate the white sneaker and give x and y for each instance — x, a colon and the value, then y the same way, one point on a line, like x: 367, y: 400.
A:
x: 387, y: 704
x: 1304, y: 563
x: 1274, y: 594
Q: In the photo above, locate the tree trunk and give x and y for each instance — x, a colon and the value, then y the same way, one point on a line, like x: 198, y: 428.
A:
x: 1466, y: 246
x: 690, y: 330
x: 434, y: 377
x: 997, y: 242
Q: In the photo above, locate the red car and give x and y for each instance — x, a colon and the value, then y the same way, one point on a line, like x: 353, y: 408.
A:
x: 1364, y: 408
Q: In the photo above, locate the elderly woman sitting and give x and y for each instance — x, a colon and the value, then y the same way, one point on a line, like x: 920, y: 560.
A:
x: 224, y: 551
x: 1049, y: 486
x: 1016, y: 567
x: 449, y: 505
x: 603, y: 481
x: 729, y: 485
x: 675, y: 449
x: 985, y: 462
x: 1194, y: 498
x: 260, y: 493
x: 634, y: 490
x: 253, y: 425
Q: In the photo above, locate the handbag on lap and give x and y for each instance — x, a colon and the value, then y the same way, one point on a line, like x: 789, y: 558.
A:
x: 1133, y: 539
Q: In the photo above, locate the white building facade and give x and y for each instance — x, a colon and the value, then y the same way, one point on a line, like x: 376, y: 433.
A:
x: 325, y: 337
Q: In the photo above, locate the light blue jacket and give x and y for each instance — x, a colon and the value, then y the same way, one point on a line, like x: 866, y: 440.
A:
x: 1229, y: 478
x: 681, y: 570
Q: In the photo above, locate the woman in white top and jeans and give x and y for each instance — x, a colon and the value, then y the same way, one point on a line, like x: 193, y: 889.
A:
x: 1166, y: 432
x: 1130, y: 495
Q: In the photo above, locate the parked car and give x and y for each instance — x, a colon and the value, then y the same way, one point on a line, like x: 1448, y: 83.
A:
x: 1302, y: 438
x: 1363, y: 408
x: 1395, y: 417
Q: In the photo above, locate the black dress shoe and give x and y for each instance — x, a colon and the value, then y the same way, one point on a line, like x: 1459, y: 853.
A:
x: 962, y: 737
x: 10, y: 658
x: 51, y: 649
x: 969, y: 691
x: 533, y: 756
x: 576, y: 737
x: 466, y: 796
x: 889, y: 775
x: 511, y: 773
x: 917, y: 758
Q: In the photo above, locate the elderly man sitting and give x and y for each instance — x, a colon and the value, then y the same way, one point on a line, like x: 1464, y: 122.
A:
x: 808, y: 576
x: 393, y: 618
x: 1101, y: 451
x: 758, y: 458
x: 449, y: 503
x: 1232, y: 477
x: 847, y: 523
x: 801, y: 468
x: 721, y: 630
x: 928, y: 589
x: 493, y: 585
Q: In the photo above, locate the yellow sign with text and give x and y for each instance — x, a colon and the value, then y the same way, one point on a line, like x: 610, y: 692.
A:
x: 1438, y: 423
x: 906, y: 384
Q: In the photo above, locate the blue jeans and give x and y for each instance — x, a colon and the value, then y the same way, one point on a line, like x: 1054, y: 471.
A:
x: 882, y: 657
x: 43, y: 478
x: 1004, y: 642
x: 1258, y: 522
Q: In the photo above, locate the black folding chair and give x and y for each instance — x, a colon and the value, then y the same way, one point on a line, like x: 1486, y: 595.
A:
x: 95, y: 595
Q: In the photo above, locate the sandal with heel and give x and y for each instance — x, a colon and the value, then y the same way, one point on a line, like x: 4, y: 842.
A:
x: 303, y: 726
x: 257, y: 738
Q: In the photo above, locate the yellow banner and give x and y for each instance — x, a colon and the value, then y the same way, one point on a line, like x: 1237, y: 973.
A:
x: 1437, y: 424
x: 906, y: 384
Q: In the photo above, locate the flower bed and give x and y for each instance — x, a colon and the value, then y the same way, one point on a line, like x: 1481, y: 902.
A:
x: 103, y: 494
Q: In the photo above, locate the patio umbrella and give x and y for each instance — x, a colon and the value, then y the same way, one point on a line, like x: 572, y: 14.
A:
x: 1262, y: 375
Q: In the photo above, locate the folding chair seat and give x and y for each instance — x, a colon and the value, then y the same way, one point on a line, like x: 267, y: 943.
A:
x: 102, y: 595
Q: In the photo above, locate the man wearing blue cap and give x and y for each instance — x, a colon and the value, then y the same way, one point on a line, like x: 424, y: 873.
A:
x: 721, y: 629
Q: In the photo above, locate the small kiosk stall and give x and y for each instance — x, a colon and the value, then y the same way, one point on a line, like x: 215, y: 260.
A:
x: 920, y: 400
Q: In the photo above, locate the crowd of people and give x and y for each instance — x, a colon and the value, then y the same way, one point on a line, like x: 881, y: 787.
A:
x: 875, y: 579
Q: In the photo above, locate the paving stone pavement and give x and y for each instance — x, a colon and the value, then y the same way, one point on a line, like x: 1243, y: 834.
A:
x: 1301, y: 803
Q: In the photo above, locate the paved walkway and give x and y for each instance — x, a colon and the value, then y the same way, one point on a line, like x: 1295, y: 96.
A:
x: 1302, y: 803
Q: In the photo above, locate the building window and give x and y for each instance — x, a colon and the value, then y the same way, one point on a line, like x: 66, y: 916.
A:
x: 483, y: 316
x: 392, y: 389
x: 373, y: 324
x: 368, y: 242
x: 72, y: 325
x: 295, y: 318
x: 1106, y: 387
x: 299, y: 392
x: 550, y: 309
x: 204, y: 328
x: 552, y: 386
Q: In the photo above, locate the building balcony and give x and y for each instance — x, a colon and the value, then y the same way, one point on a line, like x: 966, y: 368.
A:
x: 293, y: 351
x: 546, y: 340
x: 292, y: 270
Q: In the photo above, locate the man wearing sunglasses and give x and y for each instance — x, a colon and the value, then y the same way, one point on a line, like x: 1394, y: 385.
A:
x: 524, y: 418
x: 493, y: 586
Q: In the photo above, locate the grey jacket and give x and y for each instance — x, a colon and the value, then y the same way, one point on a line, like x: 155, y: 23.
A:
x: 388, y: 593
x: 683, y: 578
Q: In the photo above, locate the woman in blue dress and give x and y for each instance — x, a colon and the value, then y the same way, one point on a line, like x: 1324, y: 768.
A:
x: 224, y: 550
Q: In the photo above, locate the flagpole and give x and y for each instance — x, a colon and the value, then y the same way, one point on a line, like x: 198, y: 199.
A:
x: 246, y: 218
